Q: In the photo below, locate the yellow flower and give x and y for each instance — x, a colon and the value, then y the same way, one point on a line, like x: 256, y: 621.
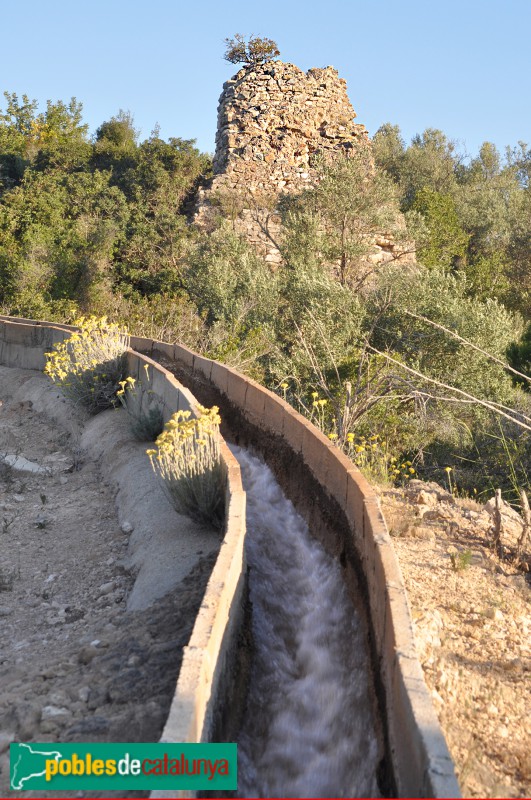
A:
x: 315, y: 395
x: 447, y: 469
x: 412, y: 471
x: 332, y: 436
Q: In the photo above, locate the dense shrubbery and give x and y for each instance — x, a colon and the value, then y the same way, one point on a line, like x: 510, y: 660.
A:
x: 477, y: 212
x: 100, y: 227
x: 83, y: 222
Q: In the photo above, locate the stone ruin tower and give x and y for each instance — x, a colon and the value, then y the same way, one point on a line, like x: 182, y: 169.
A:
x: 273, y: 120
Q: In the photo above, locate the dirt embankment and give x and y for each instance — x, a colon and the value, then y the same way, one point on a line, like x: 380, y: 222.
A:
x: 472, y: 625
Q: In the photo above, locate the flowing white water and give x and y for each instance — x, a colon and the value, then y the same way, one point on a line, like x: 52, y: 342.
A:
x: 309, y: 729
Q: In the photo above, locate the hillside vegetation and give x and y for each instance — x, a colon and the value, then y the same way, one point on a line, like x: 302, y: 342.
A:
x: 378, y: 354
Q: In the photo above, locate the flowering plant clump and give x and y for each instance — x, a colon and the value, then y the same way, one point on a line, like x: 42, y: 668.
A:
x: 371, y: 455
x: 188, y: 460
x: 90, y: 363
x: 317, y: 411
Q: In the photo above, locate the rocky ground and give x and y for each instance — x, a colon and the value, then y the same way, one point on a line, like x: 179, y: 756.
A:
x: 75, y: 665
x: 472, y: 621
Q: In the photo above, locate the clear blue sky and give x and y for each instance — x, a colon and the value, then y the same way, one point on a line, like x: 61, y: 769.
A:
x: 462, y: 66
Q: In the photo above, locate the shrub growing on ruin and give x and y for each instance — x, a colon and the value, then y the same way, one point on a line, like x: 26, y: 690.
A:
x: 90, y: 364
x: 255, y: 50
x: 188, y: 460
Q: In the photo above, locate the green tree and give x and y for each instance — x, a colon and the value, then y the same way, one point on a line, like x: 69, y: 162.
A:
x: 251, y: 50
x: 520, y: 158
x: 350, y: 205
x: 115, y: 145
x: 54, y: 138
x: 519, y: 356
x: 157, y: 186
x: 431, y: 161
x: 518, y: 267
x: 316, y: 315
x: 58, y: 231
x: 441, y: 296
x: 389, y: 150
x: 446, y: 241
x: 237, y: 294
x: 59, y: 137
x: 79, y: 220
x: 487, y: 200
x: 16, y: 124
x: 229, y: 282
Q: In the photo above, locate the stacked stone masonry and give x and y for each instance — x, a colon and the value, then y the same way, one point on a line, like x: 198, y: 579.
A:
x: 274, y: 120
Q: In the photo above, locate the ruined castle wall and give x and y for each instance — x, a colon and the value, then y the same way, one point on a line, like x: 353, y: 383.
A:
x: 274, y: 121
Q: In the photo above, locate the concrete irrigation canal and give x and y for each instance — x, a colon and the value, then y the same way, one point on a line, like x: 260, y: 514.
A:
x: 309, y: 728
x: 302, y: 647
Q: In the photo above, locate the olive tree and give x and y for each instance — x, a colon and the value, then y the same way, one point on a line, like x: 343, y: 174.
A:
x: 254, y: 50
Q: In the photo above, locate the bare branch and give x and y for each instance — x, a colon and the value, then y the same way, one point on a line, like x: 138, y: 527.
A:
x: 498, y: 523
x: 496, y: 407
x: 526, y: 531
x: 469, y: 344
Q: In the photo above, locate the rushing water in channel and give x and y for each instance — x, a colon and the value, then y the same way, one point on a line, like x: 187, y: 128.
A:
x: 309, y: 728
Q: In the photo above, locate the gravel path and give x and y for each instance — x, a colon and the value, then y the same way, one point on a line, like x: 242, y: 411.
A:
x: 75, y: 664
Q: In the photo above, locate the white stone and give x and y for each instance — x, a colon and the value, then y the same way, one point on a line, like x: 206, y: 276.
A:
x: 106, y: 588
x: 22, y: 464
x: 49, y: 712
x: 84, y: 694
